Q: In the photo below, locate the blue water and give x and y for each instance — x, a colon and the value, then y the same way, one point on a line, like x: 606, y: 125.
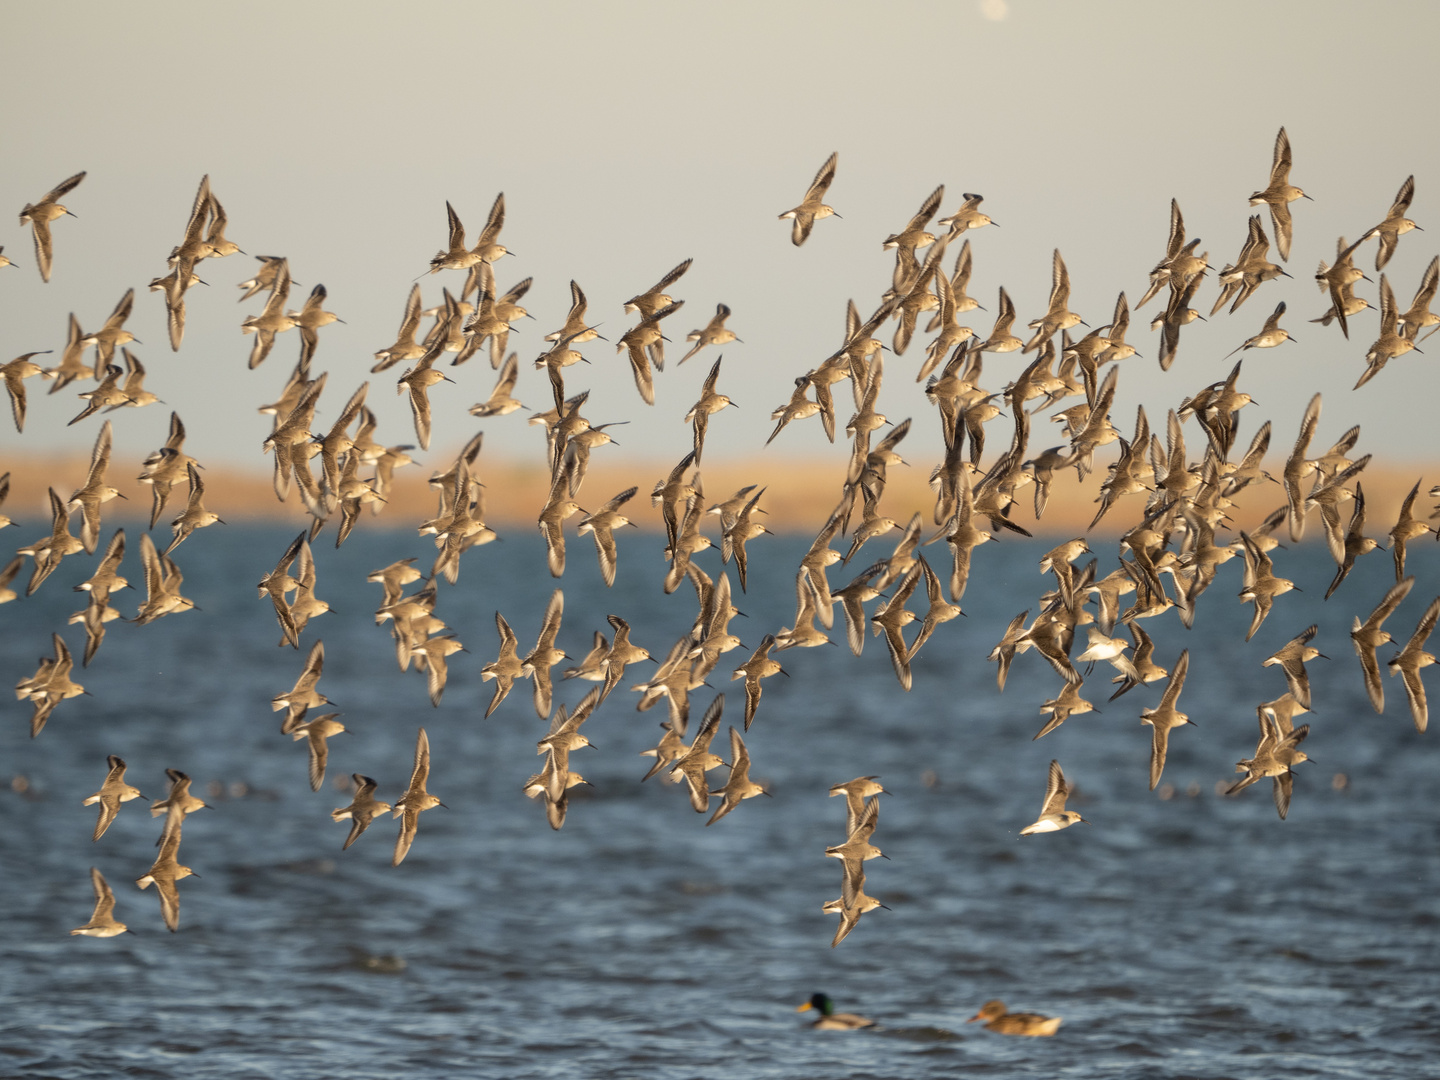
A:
x: 1194, y: 936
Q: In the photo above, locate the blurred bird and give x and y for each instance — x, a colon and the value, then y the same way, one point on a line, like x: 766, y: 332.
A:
x: 1053, y: 815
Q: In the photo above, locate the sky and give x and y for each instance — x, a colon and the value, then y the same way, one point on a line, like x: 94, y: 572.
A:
x: 627, y: 137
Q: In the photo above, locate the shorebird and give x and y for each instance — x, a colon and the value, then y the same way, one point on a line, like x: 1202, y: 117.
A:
x: 1249, y: 271
x: 914, y: 236
x: 812, y: 207
x: 278, y: 584
x: 938, y: 612
x: 1395, y: 225
x: 102, y: 920
x: 739, y: 787
x: 315, y: 732
x: 1406, y: 529
x: 891, y: 618
x: 1340, y: 280
x: 952, y: 335
x: 642, y: 341
x: 1053, y: 815
x: 1261, y: 586
x: 1391, y: 343
x: 1165, y: 716
x: 177, y: 805
x: 1177, y: 313
x: 50, y: 685
x: 507, y: 668
x: 431, y: 654
x: 576, y: 330
x: 856, y: 793
x: 617, y: 655
x: 112, y: 335
x: 415, y: 801
x: 967, y: 217
x: 1419, y: 316
x: 710, y: 403
x: 1292, y: 658
x: 1058, y: 315
x: 1271, y: 334
x: 133, y: 389
x: 418, y: 380
x: 1001, y: 340
x: 196, y: 244
x: 1276, y: 755
x: 799, y: 407
x: 41, y: 214
x: 163, y: 874
x: 456, y: 255
x: 72, y: 363
x: 162, y: 585
x: 14, y: 373
x: 311, y: 316
x: 405, y: 347
x: 758, y: 666
x: 486, y: 249
x: 1368, y: 636
x: 272, y: 320
x: 363, y: 809
x: 501, y: 402
x: 850, y: 913
x: 696, y: 759
x: 739, y: 531
x: 829, y: 1019
x: 95, y: 492
x: 1175, y: 269
x: 552, y: 519
x: 48, y: 551
x: 98, y: 588
x: 1409, y: 661
x: 601, y: 524
x: 592, y: 666
x: 1279, y: 193
x: 265, y: 277
x: 298, y: 701
x: 174, y: 286
x: 195, y: 515
x: 7, y: 575
x: 1008, y: 1023
x: 856, y: 851
x: 712, y: 333
x: 112, y: 793
x: 654, y: 299
x: 1064, y: 705
x: 107, y: 394
x: 1297, y: 467
x: 219, y: 246
x: 545, y: 655
x: 1356, y: 543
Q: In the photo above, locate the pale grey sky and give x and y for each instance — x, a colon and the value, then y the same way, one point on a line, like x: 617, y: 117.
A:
x: 627, y: 137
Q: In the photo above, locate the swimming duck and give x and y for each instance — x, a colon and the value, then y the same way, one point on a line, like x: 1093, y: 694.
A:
x: 1008, y: 1023
x: 829, y: 1019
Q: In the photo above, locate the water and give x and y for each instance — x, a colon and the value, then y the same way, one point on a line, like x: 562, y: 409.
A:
x: 1190, y: 937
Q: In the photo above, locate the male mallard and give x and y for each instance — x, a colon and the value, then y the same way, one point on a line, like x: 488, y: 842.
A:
x: 829, y: 1019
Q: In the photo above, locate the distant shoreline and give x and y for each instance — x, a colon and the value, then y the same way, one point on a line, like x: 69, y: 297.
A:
x: 798, y: 498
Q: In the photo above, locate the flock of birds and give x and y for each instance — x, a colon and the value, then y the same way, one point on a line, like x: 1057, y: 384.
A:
x: 1181, y: 502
